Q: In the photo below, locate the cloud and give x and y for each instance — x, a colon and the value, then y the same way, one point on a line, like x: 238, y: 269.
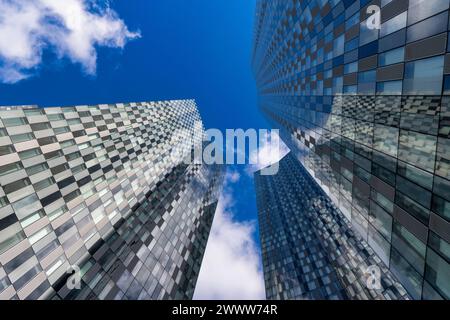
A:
x: 271, y: 152
x: 70, y: 28
x: 232, y: 176
x: 231, y: 268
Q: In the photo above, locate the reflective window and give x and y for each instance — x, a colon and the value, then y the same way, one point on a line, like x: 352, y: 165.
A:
x: 30, y: 153
x: 418, y: 149
x: 4, y: 150
x: 366, y: 82
x: 394, y: 24
x: 391, y: 57
x: 22, y: 137
x: 13, y: 122
x: 10, y: 168
x: 424, y: 76
x: 367, y: 35
x: 422, y: 9
x: 390, y: 88
x: 437, y: 273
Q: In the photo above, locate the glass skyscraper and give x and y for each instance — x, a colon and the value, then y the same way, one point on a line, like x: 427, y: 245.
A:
x: 366, y: 111
x: 95, y: 193
x: 308, y: 247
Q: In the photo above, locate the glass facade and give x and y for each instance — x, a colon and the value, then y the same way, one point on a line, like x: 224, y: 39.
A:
x: 97, y: 189
x: 308, y: 247
x: 367, y: 112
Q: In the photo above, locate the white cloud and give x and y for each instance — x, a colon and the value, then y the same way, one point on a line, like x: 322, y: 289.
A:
x: 231, y: 268
x: 271, y: 152
x: 232, y: 176
x: 71, y: 28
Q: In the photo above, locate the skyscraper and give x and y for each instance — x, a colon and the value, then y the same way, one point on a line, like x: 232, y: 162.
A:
x: 95, y: 193
x: 309, y: 248
x: 365, y: 108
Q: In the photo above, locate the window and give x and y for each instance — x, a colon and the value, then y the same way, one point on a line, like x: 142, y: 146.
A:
x: 414, y: 191
x: 386, y: 139
x: 440, y: 245
x: 366, y: 82
x: 409, y: 277
x: 13, y: 122
x: 351, y: 67
x: 415, y: 174
x: 53, y: 155
x: 68, y: 109
x: 47, y: 140
x: 394, y: 24
x: 367, y: 35
x: 379, y: 244
x: 26, y: 205
x: 10, y: 168
x: 73, y: 156
x: 438, y: 273
x: 3, y: 201
x: 350, y: 90
x: 424, y: 76
x: 428, y: 28
x: 40, y: 126
x: 339, y: 46
x: 411, y: 248
x: 422, y: 9
x: 418, y: 149
x: 390, y: 88
x: 22, y: 137
x: 381, y: 220
x: 78, y: 168
x: 3, y: 132
x: 352, y: 44
x: 55, y: 117
x: 353, y: 20
x: 36, y: 169
x: 29, y: 220
x: 11, y: 238
x: 71, y: 196
x: 29, y: 153
x: 61, y: 130
x: 40, y: 234
x: 33, y: 112
x: 57, y: 213
x: 447, y: 83
x: 79, y: 133
x: 73, y: 121
x: 16, y: 185
x: 67, y: 143
x: 382, y: 201
x: 391, y: 57
x: 4, y: 150
x: 44, y: 184
x: 58, y: 169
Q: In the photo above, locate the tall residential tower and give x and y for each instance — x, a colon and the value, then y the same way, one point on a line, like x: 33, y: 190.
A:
x: 366, y: 109
x: 95, y: 193
x: 309, y: 249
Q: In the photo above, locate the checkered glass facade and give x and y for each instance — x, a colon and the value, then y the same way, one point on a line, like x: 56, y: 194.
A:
x: 97, y: 189
x: 309, y: 249
x: 366, y: 111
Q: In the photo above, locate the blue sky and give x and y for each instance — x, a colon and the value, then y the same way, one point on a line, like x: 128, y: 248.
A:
x: 197, y: 49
